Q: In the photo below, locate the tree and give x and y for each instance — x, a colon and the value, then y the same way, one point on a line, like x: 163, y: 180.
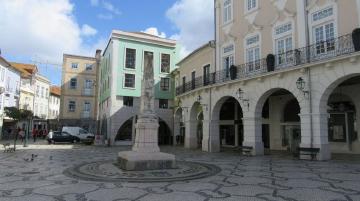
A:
x: 17, y: 115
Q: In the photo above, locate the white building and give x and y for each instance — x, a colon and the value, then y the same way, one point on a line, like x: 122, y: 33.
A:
x: 54, y: 102
x: 9, y: 88
x: 286, y: 77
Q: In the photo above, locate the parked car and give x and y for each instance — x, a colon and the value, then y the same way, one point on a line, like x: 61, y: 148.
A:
x: 58, y: 136
x: 80, y: 133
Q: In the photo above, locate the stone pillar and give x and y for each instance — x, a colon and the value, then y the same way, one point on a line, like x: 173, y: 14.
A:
x: 253, y: 134
x: 236, y: 126
x: 133, y: 130
x: 319, y: 138
x: 211, y: 137
x: 190, y: 134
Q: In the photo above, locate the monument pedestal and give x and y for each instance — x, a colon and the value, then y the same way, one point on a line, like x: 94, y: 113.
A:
x: 132, y: 160
x: 145, y: 154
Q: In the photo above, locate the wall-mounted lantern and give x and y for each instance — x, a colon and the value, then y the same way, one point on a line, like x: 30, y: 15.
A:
x: 199, y: 99
x: 301, y: 84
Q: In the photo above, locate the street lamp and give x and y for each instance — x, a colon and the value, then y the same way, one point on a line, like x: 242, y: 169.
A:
x: 301, y: 84
x: 241, y: 96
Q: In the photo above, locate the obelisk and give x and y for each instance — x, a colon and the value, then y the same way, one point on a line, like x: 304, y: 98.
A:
x: 145, y: 154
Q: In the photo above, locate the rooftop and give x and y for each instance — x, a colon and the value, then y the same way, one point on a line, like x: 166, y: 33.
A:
x: 143, y: 36
x: 25, y: 69
x: 56, y: 90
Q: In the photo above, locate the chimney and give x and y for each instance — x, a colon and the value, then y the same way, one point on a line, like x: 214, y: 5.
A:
x: 98, y: 55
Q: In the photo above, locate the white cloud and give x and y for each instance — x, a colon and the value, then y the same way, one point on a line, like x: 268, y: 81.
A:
x: 110, y: 7
x: 194, y: 20
x: 87, y: 30
x: 42, y: 28
x: 106, y: 16
x: 107, y: 6
x: 154, y: 31
x: 94, y: 2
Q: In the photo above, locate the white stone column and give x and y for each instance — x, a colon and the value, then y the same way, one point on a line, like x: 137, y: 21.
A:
x: 253, y: 135
x: 318, y: 138
x: 190, y: 134
x: 211, y: 136
x: 236, y: 126
x: 301, y: 22
x: 358, y: 9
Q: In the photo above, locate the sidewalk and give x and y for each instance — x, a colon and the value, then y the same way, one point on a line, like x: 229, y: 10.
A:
x: 39, y: 144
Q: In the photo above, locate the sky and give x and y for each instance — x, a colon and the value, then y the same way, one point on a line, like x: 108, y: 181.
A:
x: 40, y: 31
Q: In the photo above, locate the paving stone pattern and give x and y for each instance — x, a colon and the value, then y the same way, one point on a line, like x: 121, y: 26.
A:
x: 275, y: 177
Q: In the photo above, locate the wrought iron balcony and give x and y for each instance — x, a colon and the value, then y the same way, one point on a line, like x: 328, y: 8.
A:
x: 321, y: 51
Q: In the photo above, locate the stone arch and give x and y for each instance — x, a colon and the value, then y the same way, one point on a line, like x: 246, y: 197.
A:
x: 191, y: 133
x: 179, y: 127
x: 325, y: 94
x: 226, y: 132
x: 325, y: 122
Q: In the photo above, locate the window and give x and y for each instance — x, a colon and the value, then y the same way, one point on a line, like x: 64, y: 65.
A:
x: 184, y: 83
x: 283, y: 44
x: 88, y: 66
x: 37, y: 91
x: 87, y: 106
x: 42, y: 92
x: 322, y: 14
x: 165, y: 63
x: 72, y: 106
x: 251, y: 5
x: 323, y: 30
x: 163, y: 103
x: 228, y: 58
x: 130, y: 58
x: 165, y: 84
x: 227, y: 15
x: 88, y: 84
x: 73, y: 83
x: 193, y: 74
x: 128, y: 101
x: 206, y: 74
x: 74, y: 65
x: 2, y: 74
x: 253, y: 53
x: 47, y: 93
x: 129, y: 81
x: 324, y: 38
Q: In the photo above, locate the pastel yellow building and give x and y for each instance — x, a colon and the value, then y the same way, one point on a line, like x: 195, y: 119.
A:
x: 78, y: 92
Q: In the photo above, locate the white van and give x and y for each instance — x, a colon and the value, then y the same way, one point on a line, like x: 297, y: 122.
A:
x: 81, y: 134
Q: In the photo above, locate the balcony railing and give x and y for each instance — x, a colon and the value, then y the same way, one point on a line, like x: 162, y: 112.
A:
x: 321, y: 51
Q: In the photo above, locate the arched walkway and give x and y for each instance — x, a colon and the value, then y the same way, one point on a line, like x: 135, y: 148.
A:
x: 340, y: 102
x: 277, y: 122
x: 193, y: 130
x: 126, y: 133
x: 227, y: 122
x: 179, y: 127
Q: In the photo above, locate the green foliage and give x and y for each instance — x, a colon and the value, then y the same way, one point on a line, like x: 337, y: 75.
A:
x: 17, y: 114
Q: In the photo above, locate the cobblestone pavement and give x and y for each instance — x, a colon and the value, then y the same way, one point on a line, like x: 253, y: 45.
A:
x: 276, y: 177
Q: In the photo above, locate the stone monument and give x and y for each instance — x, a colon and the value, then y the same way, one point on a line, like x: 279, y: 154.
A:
x: 145, y: 154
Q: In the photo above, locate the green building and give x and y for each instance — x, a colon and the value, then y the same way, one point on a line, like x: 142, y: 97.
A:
x: 119, y: 85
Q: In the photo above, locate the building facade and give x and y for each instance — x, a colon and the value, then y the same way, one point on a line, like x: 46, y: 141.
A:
x: 78, y: 92
x: 282, y: 80
x: 9, y: 90
x: 54, y: 102
x: 120, y: 81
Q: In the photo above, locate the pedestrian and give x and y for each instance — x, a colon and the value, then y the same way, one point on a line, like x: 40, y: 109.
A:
x: 22, y: 134
x: 178, y: 139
